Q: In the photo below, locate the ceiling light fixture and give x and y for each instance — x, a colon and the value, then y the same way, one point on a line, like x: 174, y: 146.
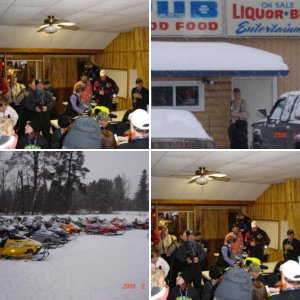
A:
x: 51, y: 29
x: 202, y: 180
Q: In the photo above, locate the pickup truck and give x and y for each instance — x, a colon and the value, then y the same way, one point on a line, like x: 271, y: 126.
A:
x: 280, y: 129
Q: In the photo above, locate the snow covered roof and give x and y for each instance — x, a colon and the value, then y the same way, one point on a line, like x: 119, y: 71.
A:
x: 176, y: 123
x: 213, y: 59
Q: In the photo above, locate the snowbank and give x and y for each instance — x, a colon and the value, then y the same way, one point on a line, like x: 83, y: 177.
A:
x: 89, y: 268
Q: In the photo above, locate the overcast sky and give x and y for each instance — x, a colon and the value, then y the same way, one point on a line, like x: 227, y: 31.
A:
x: 109, y: 164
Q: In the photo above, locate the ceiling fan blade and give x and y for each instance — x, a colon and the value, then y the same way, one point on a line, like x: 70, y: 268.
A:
x: 193, y: 179
x: 41, y: 29
x: 215, y: 173
x: 220, y: 178
x: 64, y: 23
x: 69, y: 27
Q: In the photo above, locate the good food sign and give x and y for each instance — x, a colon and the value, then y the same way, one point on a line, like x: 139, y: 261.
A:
x: 187, y: 18
x: 263, y: 18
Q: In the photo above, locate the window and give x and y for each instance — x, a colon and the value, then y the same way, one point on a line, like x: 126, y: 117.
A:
x: 287, y: 108
x: 187, y: 95
x: 276, y: 112
x: 295, y: 116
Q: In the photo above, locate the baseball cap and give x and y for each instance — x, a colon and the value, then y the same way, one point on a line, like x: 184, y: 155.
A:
x: 291, y: 270
x: 253, y: 224
x: 102, y: 73
x: 190, y: 232
x: 39, y: 81
x: 139, y: 119
x: 103, y: 116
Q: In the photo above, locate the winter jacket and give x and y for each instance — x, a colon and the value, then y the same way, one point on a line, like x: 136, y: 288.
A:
x: 57, y: 139
x: 140, y: 103
x: 74, y: 107
x: 137, y: 143
x: 39, y: 142
x: 87, y: 93
x: 190, y: 294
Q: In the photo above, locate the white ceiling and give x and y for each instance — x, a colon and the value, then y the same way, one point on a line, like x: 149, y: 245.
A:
x: 100, y: 21
x: 251, y: 172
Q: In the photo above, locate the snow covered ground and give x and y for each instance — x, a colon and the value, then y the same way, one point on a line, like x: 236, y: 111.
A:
x: 92, y: 267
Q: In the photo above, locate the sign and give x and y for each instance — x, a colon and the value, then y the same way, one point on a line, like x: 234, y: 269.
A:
x: 263, y: 18
x: 187, y: 18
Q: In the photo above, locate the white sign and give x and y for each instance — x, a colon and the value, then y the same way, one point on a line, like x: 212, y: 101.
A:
x: 187, y: 18
x: 263, y: 18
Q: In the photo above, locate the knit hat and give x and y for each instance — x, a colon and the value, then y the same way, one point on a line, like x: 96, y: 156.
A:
x: 253, y: 267
x: 236, y: 285
x: 103, y: 116
x: 35, y: 125
x: 186, y: 276
x: 84, y: 134
x: 63, y: 121
x: 139, y: 119
x: 102, y: 73
x: 215, y: 272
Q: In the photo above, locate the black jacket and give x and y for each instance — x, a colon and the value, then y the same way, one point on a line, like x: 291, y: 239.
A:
x: 34, y: 100
x: 57, y: 140
x: 291, y: 254
x: 109, y: 127
x: 208, y: 291
x: 287, y: 295
x: 192, y: 294
x: 140, y: 103
x: 142, y: 143
x: 38, y: 143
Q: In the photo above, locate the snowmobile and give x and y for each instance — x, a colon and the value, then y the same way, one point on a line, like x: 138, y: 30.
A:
x: 20, y: 247
x: 118, y: 223
x: 140, y: 224
x: 110, y: 229
x: 70, y: 228
x: 48, y: 238
x: 65, y: 236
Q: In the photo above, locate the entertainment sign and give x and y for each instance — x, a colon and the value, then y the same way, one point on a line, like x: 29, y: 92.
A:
x: 187, y: 18
x: 263, y: 18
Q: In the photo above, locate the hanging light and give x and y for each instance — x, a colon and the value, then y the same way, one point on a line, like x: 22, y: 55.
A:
x: 202, y: 180
x: 51, y: 29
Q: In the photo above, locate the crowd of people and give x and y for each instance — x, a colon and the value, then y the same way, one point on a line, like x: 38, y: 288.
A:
x: 177, y: 263
x: 88, y: 122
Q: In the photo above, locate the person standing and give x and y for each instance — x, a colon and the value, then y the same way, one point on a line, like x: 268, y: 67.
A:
x: 84, y: 81
x: 291, y: 247
x: 244, y: 224
x: 40, y: 102
x: 167, y: 245
x: 238, y: 245
x: 48, y: 88
x: 225, y: 259
x: 92, y: 72
x: 256, y: 240
x: 105, y: 89
x: 75, y: 107
x: 3, y: 87
x: 140, y: 95
x: 238, y: 126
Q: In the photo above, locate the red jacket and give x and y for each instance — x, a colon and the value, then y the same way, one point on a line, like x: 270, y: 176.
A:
x: 3, y: 86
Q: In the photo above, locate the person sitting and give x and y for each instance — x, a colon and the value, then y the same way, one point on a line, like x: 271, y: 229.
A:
x: 75, y: 107
x: 108, y: 140
x: 159, y: 263
x: 225, y: 259
x: 139, y: 127
x: 216, y: 275
x: 84, y: 134
x: 6, y: 111
x: 275, y: 277
x: 8, y: 138
x: 40, y: 103
x: 183, y: 289
x: 259, y: 291
x: 124, y: 125
x: 255, y: 273
x: 290, y: 277
x: 236, y: 285
x: 32, y: 139
x: 104, y: 119
x: 58, y: 136
x: 159, y: 289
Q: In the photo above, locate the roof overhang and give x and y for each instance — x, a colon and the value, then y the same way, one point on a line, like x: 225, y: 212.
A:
x: 193, y: 59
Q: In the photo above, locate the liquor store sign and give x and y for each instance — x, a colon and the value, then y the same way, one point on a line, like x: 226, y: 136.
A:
x: 187, y: 18
x: 263, y: 18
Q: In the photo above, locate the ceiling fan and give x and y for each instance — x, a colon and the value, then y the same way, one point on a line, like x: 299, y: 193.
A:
x: 51, y: 25
x: 203, y: 176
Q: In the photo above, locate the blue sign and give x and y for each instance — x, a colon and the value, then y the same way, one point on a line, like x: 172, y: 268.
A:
x: 204, y: 9
x: 164, y: 12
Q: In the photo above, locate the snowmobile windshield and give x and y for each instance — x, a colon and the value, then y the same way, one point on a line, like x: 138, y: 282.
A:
x: 17, y: 236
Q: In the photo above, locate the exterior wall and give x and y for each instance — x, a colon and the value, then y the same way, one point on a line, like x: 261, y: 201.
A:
x: 278, y: 203
x: 129, y: 50
x: 218, y: 96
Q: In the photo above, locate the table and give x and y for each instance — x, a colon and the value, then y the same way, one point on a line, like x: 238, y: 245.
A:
x: 271, y: 266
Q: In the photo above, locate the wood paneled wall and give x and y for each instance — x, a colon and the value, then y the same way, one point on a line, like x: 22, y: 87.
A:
x: 280, y: 202
x: 129, y: 50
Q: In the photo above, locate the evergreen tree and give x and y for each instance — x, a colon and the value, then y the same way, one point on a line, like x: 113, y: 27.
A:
x: 141, y: 197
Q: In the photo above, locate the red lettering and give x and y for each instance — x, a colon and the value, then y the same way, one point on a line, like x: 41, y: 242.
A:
x: 190, y: 25
x: 213, y: 26
x: 295, y: 13
x: 234, y: 12
x: 279, y: 14
x: 179, y: 25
